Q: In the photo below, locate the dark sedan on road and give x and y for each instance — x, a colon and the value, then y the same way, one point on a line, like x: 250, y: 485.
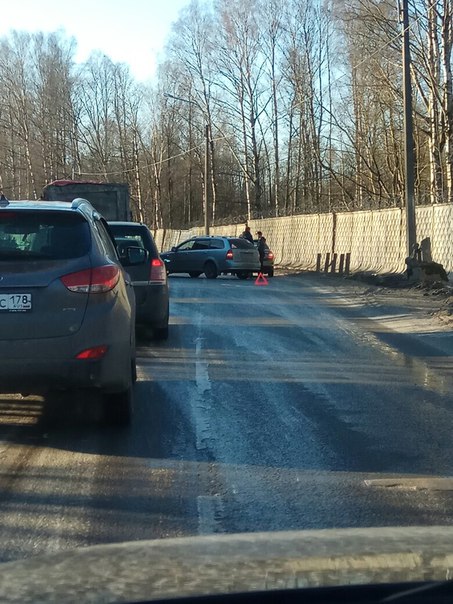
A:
x: 149, y: 279
x: 213, y: 256
x: 67, y: 307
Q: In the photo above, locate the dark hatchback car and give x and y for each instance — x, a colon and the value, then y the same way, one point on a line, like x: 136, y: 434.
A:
x: 149, y: 279
x: 67, y: 306
x: 213, y: 256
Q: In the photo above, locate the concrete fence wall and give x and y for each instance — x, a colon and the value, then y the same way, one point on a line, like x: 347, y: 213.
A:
x: 376, y: 239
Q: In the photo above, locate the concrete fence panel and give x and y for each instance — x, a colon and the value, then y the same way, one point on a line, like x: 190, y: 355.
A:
x: 441, y: 235
x: 375, y: 239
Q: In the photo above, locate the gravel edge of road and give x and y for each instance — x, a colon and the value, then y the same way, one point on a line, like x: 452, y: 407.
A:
x: 435, y: 299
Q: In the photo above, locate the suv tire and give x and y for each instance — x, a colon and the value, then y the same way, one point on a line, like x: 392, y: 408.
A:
x: 161, y: 333
x: 118, y: 408
x: 134, y: 369
x: 194, y: 274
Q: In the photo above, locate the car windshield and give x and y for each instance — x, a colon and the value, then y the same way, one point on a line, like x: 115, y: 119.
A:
x: 44, y: 235
x: 277, y: 362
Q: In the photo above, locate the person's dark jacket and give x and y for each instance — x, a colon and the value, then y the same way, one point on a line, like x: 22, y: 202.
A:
x: 247, y: 235
x: 262, y: 247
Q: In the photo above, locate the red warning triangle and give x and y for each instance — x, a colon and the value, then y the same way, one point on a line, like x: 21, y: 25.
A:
x: 261, y: 280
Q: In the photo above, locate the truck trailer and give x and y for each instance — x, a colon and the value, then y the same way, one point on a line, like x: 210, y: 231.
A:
x: 112, y: 200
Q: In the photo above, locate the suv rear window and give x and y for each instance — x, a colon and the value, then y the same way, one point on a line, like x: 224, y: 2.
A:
x: 43, y: 235
x: 240, y: 243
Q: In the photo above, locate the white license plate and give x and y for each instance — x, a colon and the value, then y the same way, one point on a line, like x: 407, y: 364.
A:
x: 15, y: 302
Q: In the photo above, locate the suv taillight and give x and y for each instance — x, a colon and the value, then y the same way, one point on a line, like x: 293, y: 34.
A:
x: 92, y: 280
x: 91, y: 354
x: 270, y: 255
x: 229, y: 255
x: 158, y: 271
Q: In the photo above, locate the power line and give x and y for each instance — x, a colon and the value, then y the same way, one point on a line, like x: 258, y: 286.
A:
x: 157, y: 163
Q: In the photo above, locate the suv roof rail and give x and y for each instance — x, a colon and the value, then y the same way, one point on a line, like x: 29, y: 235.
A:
x: 76, y: 203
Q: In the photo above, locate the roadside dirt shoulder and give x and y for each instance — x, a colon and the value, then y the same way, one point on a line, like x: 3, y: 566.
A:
x: 414, y: 318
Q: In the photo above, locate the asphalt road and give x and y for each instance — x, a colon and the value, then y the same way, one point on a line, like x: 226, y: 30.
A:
x: 288, y: 406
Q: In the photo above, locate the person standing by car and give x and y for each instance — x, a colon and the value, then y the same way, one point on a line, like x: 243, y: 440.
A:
x: 247, y: 235
x: 262, y: 247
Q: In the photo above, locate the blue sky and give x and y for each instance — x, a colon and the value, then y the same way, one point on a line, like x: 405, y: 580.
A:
x: 131, y: 31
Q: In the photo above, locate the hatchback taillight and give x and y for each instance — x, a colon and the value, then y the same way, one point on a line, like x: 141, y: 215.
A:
x: 229, y: 255
x: 158, y: 271
x: 92, y: 280
x: 270, y: 255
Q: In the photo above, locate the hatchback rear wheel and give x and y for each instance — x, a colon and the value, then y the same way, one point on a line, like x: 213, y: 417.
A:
x: 244, y: 274
x: 210, y: 270
x: 194, y: 274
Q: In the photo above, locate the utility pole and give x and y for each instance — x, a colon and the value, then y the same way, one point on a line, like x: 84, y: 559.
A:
x: 409, y: 155
x: 206, y: 180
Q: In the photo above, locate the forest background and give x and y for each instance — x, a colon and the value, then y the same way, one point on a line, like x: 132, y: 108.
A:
x: 301, y: 100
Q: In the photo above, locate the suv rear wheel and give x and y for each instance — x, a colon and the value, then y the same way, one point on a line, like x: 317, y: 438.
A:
x: 210, y: 270
x: 244, y: 274
x: 118, y: 407
x: 194, y: 274
x: 161, y: 333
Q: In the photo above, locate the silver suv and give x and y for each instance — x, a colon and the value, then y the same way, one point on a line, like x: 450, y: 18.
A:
x: 213, y: 256
x: 67, y: 306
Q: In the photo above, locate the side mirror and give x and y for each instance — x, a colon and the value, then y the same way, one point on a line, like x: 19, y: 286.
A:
x: 174, y: 249
x: 134, y: 256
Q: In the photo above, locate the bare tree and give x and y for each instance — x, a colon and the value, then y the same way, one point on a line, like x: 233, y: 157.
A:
x: 52, y: 121
x: 97, y: 132
x: 241, y: 64
x: 191, y: 46
x: 15, y: 70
